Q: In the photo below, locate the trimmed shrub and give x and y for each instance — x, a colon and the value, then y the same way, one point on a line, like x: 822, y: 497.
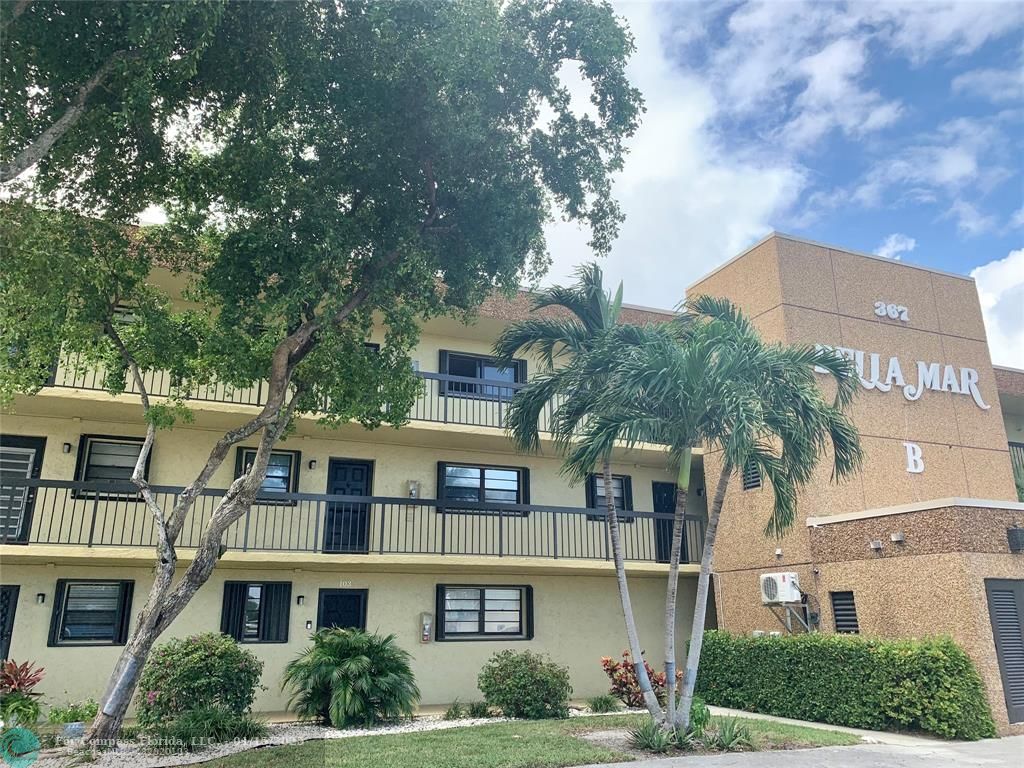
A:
x: 200, y: 727
x: 525, y: 684
x: 927, y: 685
x: 185, y: 674
x: 352, y: 677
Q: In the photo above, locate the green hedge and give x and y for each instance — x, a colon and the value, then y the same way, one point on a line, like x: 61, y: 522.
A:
x: 926, y: 685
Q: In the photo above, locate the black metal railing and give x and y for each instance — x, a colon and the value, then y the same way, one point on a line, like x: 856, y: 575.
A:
x: 95, y: 514
x: 444, y: 399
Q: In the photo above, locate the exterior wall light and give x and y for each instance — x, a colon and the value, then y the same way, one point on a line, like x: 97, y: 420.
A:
x: 312, y: 464
x: 300, y: 600
x: 897, y: 537
x: 309, y: 625
x: 876, y: 544
x: 414, y: 489
x: 778, y: 552
x: 40, y: 598
x: 66, y: 447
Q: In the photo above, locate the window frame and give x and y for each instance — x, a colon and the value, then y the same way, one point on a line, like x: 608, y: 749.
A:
x: 122, y: 617
x: 238, y: 633
x: 518, y: 367
x: 82, y: 464
x: 293, y: 475
x: 627, y: 498
x: 526, y: 616
x: 523, y: 493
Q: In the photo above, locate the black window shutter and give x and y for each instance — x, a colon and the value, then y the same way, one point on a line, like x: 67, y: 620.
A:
x: 55, y: 617
x: 591, y: 491
x: 627, y: 493
x: 520, y: 375
x: 231, y: 613
x: 125, y: 617
x: 528, y: 611
x: 277, y: 596
x: 439, y: 613
x: 239, y: 459
x: 442, y: 362
x: 524, y: 486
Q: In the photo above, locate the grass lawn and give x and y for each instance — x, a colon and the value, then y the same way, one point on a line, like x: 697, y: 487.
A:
x: 537, y: 744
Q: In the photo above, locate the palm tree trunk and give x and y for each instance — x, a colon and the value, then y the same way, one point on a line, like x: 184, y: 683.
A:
x: 682, y: 720
x: 627, y: 606
x: 671, y: 592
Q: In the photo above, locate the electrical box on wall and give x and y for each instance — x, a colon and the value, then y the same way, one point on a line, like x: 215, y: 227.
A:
x: 426, y: 627
x: 779, y: 588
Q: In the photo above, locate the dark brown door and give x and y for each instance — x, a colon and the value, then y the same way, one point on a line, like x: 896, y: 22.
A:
x: 345, y: 608
x: 665, y: 504
x: 1006, y: 612
x: 8, y: 605
x: 347, y: 528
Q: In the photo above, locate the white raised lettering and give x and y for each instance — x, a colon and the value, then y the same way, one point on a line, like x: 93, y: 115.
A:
x: 895, y: 374
x: 969, y: 384
x: 915, y: 460
x: 949, y: 380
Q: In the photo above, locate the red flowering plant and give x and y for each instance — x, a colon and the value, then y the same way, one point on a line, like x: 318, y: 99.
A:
x: 625, y: 686
x: 19, y: 678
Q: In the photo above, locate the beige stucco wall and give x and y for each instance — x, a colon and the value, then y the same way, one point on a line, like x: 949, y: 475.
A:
x: 577, y: 620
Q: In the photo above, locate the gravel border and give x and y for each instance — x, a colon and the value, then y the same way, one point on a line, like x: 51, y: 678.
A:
x: 132, y: 755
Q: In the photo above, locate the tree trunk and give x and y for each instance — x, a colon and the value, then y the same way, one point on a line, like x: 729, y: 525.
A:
x: 682, y: 720
x: 671, y: 592
x: 627, y: 606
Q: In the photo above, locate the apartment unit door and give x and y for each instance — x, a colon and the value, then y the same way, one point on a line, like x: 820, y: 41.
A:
x: 1006, y: 612
x: 665, y: 504
x: 344, y: 608
x: 347, y: 527
x: 20, y: 458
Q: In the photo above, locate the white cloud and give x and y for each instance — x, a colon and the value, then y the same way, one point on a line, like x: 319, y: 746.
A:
x: 996, y: 85
x: 1017, y: 219
x: 895, y: 245
x: 1001, y: 290
x: 969, y: 220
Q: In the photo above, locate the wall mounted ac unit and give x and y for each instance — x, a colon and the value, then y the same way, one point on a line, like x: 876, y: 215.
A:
x: 779, y: 588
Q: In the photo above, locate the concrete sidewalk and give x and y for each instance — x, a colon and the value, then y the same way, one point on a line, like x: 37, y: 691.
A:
x: 991, y: 753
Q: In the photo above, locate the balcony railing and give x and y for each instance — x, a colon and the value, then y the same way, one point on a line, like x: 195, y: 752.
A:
x: 94, y: 514
x: 1017, y: 458
x: 445, y: 399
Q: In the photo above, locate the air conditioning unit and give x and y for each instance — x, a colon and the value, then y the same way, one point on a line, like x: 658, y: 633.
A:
x: 780, y: 588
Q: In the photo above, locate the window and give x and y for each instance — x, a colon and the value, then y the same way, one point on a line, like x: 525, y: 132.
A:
x: 91, y: 612
x: 844, y: 611
x: 109, y: 459
x: 473, y: 612
x: 256, y: 612
x: 282, y: 471
x: 480, y: 367
x: 622, y: 493
x: 484, y: 484
x: 751, y: 476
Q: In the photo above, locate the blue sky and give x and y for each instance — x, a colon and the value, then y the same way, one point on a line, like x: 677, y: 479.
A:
x: 890, y: 128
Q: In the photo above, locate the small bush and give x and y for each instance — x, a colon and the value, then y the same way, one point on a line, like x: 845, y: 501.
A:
x: 19, y: 709
x: 649, y: 736
x: 352, y: 677
x: 192, y: 673
x: 626, y: 687
x: 456, y: 711
x: 700, y: 716
x: 19, y: 703
x: 478, y: 710
x: 729, y: 736
x: 199, y: 728
x: 525, y: 684
x: 73, y: 712
x: 603, y: 703
x: 927, y: 685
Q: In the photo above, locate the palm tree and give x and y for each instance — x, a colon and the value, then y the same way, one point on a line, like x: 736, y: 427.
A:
x: 709, y: 380
x: 562, y: 341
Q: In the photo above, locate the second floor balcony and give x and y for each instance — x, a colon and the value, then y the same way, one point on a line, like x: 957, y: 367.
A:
x: 444, y: 399
x: 105, y: 514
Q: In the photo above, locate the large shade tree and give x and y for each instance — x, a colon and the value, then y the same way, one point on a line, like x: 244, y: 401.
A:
x: 709, y: 380
x: 325, y: 168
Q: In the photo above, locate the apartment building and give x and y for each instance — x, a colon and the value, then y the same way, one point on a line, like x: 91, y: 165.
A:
x: 438, y: 532
x: 927, y: 539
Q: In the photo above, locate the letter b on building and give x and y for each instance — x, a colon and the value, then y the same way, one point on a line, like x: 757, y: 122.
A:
x: 915, y: 461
